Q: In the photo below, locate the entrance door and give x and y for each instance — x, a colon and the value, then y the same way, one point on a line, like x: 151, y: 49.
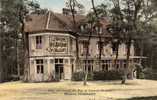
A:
x: 59, y: 71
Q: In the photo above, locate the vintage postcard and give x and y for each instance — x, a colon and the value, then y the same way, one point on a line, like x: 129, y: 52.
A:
x: 78, y: 49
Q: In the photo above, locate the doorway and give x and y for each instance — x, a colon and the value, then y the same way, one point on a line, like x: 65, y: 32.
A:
x: 59, y: 69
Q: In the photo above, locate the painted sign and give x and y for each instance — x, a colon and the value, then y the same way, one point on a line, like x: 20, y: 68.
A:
x: 58, y: 44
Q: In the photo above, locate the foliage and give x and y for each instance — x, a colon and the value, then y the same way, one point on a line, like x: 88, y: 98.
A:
x: 74, y: 5
x: 13, y: 13
x: 131, y: 20
x: 107, y: 75
x: 78, y: 76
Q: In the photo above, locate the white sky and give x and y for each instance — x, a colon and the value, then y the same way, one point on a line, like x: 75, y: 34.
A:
x: 57, y: 5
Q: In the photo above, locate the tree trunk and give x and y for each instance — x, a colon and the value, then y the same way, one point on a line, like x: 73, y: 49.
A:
x: 77, y: 52
x: 100, y: 42
x: 0, y: 61
x: 125, y: 70
x: 87, y: 53
x: 117, y: 51
x: 26, y: 51
x: 72, y: 8
x: 26, y: 58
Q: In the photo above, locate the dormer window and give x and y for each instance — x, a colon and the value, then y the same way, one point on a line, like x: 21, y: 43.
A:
x: 96, y: 29
x: 82, y: 27
x: 99, y: 30
x: 38, y: 42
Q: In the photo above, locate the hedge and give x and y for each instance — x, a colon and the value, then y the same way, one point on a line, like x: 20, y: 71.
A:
x: 107, y: 75
x: 98, y: 75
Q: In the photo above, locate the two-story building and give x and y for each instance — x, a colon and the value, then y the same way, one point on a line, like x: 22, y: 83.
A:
x: 52, y: 47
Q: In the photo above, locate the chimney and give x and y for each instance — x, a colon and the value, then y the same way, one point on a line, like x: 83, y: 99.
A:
x: 67, y: 11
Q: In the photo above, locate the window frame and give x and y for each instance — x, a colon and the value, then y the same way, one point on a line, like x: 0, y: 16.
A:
x: 39, y: 66
x: 85, y: 46
x: 39, y: 42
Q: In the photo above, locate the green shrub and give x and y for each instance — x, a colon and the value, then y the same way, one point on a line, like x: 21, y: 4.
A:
x: 98, y: 75
x: 78, y: 76
x: 107, y: 75
x: 90, y: 76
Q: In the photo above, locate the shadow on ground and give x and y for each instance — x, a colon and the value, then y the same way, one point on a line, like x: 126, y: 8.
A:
x: 142, y: 98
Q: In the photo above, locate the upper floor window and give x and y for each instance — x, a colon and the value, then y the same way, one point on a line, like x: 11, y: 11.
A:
x: 82, y: 27
x: 100, y: 45
x: 85, y: 48
x: 38, y: 42
x: 115, y: 46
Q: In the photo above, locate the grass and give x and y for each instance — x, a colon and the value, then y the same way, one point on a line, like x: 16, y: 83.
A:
x: 67, y: 90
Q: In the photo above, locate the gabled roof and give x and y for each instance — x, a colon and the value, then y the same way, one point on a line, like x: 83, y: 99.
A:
x: 50, y: 22
x: 55, y: 22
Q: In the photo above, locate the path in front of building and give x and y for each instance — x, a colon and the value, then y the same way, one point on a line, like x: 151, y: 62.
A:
x: 67, y: 90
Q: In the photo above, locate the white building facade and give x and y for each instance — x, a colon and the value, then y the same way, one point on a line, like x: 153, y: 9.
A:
x: 52, y: 49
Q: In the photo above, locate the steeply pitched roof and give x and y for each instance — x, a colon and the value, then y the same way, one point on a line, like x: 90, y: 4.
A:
x: 35, y: 23
x: 55, y: 22
x: 50, y: 22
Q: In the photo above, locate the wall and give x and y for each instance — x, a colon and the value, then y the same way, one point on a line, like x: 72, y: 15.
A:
x: 48, y: 54
x: 107, y: 49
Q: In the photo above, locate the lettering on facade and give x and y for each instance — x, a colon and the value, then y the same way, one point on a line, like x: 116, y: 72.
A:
x: 58, y: 44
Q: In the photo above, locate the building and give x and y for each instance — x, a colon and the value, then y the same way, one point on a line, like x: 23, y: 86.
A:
x: 52, y: 47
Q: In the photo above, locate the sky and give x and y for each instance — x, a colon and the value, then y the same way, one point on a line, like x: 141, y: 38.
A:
x: 57, y: 5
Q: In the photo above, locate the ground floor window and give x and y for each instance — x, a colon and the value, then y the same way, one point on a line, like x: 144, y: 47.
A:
x: 123, y: 63
x: 106, y: 65
x: 118, y: 64
x: 88, y: 65
x: 40, y: 66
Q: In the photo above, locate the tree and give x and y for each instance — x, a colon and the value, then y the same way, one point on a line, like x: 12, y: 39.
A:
x: 129, y: 18
x: 89, y: 30
x: 75, y: 6
x: 24, y: 8
x: 93, y: 18
x: 13, y: 14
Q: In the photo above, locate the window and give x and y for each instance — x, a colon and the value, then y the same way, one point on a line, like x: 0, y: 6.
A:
x: 115, y: 46
x: 124, y: 63
x: 100, y: 45
x: 88, y: 65
x: 38, y: 42
x: 40, y: 66
x: 82, y: 27
x: 58, y: 61
x: 85, y: 47
x: 105, y: 65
